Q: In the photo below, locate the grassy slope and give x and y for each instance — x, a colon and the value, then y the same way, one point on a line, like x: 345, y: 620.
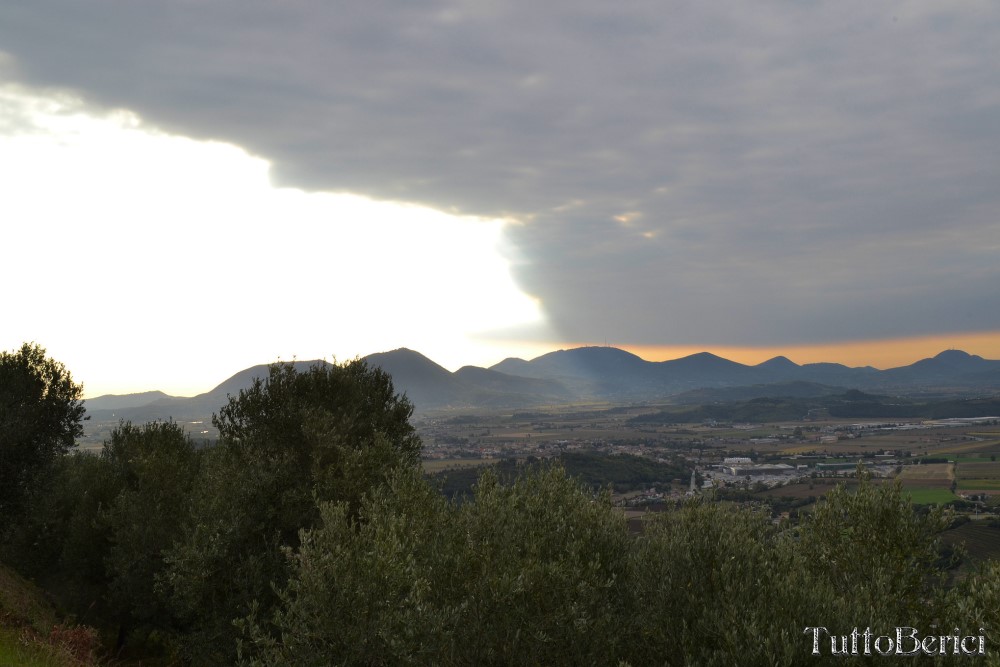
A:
x: 22, y: 603
x: 16, y: 653
x: 26, y: 618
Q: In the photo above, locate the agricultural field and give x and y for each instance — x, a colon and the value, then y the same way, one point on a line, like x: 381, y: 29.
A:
x: 920, y: 494
x: 982, y: 476
x: 987, y: 486
x: 963, y: 448
x: 928, y: 474
x: 814, y: 488
x: 925, y: 496
x: 929, y: 483
x: 433, y: 466
x: 981, y: 539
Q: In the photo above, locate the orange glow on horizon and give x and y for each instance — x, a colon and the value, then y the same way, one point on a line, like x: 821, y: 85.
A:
x: 882, y: 354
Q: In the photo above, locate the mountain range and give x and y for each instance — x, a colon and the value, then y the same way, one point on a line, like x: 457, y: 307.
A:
x: 604, y: 374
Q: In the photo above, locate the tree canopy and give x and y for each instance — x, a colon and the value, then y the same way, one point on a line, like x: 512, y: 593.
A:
x: 40, y: 417
x: 332, y: 433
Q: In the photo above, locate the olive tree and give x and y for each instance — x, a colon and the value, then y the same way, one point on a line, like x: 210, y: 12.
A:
x: 533, y: 572
x: 94, y: 531
x: 330, y: 433
x: 152, y: 469
x: 716, y: 584
x: 873, y: 548
x: 40, y: 418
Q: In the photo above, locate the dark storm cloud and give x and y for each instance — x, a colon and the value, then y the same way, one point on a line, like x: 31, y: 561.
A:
x: 718, y: 173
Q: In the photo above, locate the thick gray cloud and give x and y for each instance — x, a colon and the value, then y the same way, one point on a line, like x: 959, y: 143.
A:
x: 722, y: 172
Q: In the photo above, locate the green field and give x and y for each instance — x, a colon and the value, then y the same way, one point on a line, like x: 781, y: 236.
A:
x: 929, y: 483
x: 984, y: 458
x: 929, y: 496
x: 979, y: 484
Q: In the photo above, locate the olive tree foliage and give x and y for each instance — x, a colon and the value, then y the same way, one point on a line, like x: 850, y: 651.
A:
x: 542, y: 572
x: 40, y: 418
x: 531, y: 573
x: 546, y: 566
x: 717, y: 585
x: 873, y: 548
x: 975, y: 603
x: 358, y: 579
x: 58, y: 540
x: 328, y: 434
x: 152, y: 468
x: 95, y: 530
x: 723, y: 585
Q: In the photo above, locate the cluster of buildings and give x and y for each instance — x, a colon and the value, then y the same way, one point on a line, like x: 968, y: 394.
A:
x: 739, y: 466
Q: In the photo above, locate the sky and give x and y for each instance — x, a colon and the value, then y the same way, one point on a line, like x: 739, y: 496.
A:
x: 188, y: 188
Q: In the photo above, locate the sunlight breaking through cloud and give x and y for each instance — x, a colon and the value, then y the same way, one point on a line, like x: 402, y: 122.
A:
x: 163, y: 255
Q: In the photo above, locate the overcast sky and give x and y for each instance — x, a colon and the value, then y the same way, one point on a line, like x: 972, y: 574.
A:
x: 704, y: 175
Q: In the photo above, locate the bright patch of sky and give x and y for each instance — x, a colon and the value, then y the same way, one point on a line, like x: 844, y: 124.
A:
x: 149, y: 261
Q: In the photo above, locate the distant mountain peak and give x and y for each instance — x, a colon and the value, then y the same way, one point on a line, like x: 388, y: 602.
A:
x: 701, y: 360
x: 404, y: 359
x: 513, y: 359
x: 705, y: 355
x: 778, y: 362
x: 399, y: 351
x: 604, y: 350
x: 592, y: 354
x: 117, y: 402
x: 956, y: 355
x: 951, y: 359
x: 139, y: 395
